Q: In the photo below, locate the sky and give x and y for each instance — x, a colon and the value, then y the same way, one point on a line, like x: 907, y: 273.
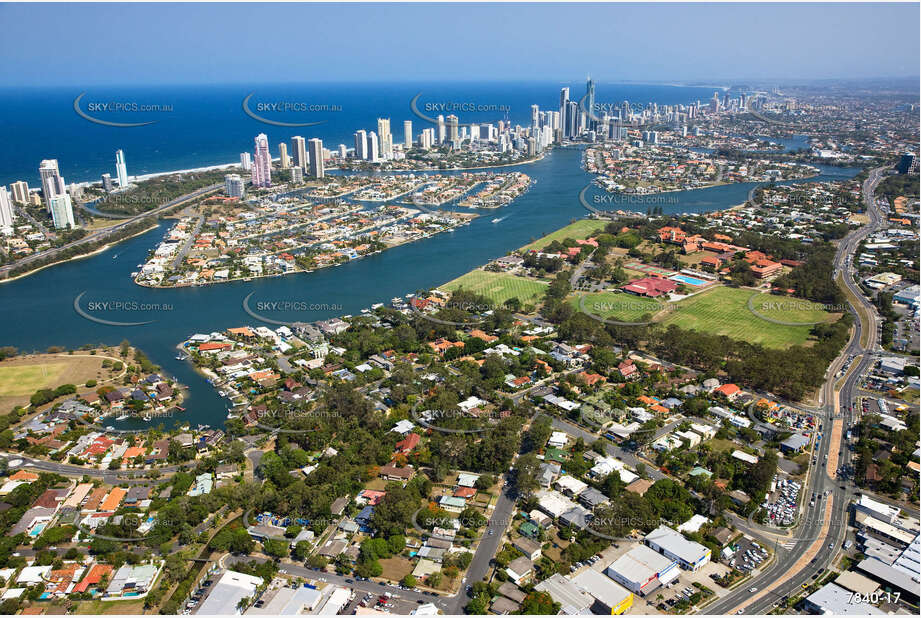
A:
x: 133, y: 44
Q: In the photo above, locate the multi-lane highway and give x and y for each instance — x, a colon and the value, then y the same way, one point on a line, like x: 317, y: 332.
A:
x: 106, y: 232
x: 822, y: 529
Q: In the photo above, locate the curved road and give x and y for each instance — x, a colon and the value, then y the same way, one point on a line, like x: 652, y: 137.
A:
x: 103, y: 233
x: 814, y: 546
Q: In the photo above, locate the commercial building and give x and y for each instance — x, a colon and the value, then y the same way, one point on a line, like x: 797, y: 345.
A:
x: 610, y: 597
x: 835, y: 600
x: 642, y: 570
x: 227, y: 593
x: 572, y: 599
x: 672, y: 544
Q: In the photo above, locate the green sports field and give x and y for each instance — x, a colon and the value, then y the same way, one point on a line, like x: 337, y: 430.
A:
x: 498, y: 287
x: 26, y: 379
x: 618, y: 306
x: 578, y: 230
x: 725, y: 311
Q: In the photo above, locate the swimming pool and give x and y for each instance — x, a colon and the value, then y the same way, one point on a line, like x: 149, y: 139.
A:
x: 689, y: 280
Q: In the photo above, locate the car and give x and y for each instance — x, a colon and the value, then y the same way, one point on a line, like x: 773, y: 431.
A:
x: 753, y: 589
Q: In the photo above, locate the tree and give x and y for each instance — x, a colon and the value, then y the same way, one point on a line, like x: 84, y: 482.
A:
x: 409, y: 581
x: 539, y: 603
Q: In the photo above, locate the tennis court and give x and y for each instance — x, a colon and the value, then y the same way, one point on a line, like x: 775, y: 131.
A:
x: 649, y: 269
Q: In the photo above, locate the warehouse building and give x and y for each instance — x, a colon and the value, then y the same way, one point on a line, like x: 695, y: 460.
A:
x: 672, y: 544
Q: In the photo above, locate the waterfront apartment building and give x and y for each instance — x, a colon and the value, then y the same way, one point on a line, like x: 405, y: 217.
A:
x: 246, y: 161
x: 6, y: 211
x: 121, y: 170
x: 262, y: 162
x: 372, y: 147
x: 107, y: 185
x: 427, y: 139
x: 20, y: 190
x: 284, y: 159
x: 361, y: 144
x: 316, y: 158
x: 233, y: 186
x: 62, y: 212
x: 441, y: 129
x: 52, y: 183
x: 299, y: 152
x: 384, y: 138
x: 452, y: 123
x: 407, y: 134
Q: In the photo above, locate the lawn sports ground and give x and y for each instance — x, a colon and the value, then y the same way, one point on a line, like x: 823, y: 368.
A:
x: 20, y: 377
x: 578, y: 230
x: 498, y: 287
x: 720, y: 310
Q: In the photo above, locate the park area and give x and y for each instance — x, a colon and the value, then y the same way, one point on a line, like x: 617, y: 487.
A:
x: 725, y: 311
x: 719, y: 311
x: 498, y: 287
x: 21, y: 376
x: 578, y: 230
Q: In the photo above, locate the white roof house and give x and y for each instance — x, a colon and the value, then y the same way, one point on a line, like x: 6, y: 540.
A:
x: 672, y: 544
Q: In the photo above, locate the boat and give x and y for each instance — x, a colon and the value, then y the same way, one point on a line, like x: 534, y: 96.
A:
x: 180, y: 357
x: 498, y: 219
x: 122, y: 417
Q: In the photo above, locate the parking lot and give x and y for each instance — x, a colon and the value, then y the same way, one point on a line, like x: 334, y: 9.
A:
x: 748, y: 555
x: 781, y: 504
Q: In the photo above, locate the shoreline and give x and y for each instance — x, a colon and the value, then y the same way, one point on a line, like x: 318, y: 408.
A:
x: 296, y: 272
x: 101, y: 249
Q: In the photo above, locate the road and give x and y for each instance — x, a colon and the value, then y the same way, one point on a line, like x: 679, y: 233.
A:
x: 102, y: 234
x: 790, y: 571
x: 111, y: 477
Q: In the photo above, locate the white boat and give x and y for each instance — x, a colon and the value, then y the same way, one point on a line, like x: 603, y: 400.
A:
x: 498, y: 219
x: 122, y: 417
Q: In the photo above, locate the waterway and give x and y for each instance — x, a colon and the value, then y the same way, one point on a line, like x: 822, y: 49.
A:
x: 39, y: 309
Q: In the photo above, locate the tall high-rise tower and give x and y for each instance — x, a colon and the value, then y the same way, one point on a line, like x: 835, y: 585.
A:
x: 262, y: 162
x: 121, y: 170
x: 316, y: 158
x: 52, y: 183
x: 299, y: 152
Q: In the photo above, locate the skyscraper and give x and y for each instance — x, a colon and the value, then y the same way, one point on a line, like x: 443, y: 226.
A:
x: 564, y: 107
x: 284, y: 159
x: 451, y: 123
x: 62, y: 212
x: 441, y: 129
x: 52, y: 183
x: 233, y: 186
x: 299, y: 152
x: 6, y: 210
x: 590, y: 102
x: 384, y: 137
x: 316, y: 158
x: 121, y: 170
x: 407, y: 134
x: 535, y: 116
x: 20, y: 190
x: 372, y: 147
x: 361, y: 145
x: 107, y: 184
x: 262, y: 162
x: 246, y: 161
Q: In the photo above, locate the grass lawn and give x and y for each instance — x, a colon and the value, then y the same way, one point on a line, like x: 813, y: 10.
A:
x: 26, y: 379
x: 110, y: 607
x: 578, y: 230
x: 718, y: 446
x: 395, y: 568
x: 498, y: 287
x: 724, y: 311
x: 616, y: 305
